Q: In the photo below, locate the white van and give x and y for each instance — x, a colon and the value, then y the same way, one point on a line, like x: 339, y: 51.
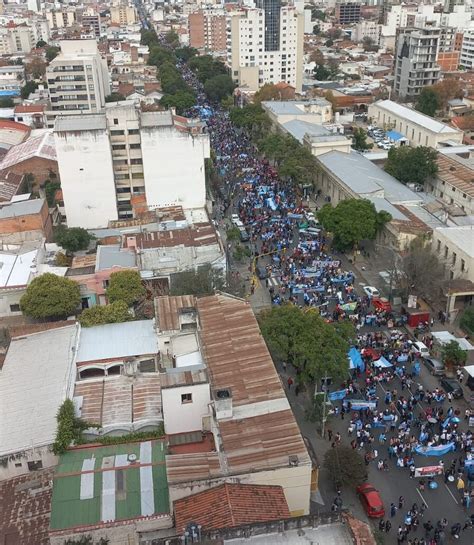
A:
x: 420, y: 348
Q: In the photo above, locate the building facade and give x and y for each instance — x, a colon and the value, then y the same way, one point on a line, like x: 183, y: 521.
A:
x: 416, y: 61
x: 348, y: 13
x: 123, y: 15
x: 264, y: 48
x: 78, y: 80
x: 467, y: 50
x: 207, y: 30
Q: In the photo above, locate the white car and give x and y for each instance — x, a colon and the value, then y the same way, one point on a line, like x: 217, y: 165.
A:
x: 371, y: 291
x: 234, y: 218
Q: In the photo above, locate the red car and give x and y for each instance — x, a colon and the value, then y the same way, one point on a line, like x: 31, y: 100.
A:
x: 382, y: 304
x: 371, y: 501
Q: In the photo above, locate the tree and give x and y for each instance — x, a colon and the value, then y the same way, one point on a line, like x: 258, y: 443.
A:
x: 52, y: 52
x: 125, y: 286
x: 321, y: 73
x: 446, y: 90
x: 205, y: 281
x: 251, y: 117
x: 422, y: 272
x: 72, y: 239
x: 206, y: 67
x: 233, y: 234
x: 453, y: 355
x: 412, y: 165
x: 62, y: 260
x: 467, y: 320
x: 171, y: 38
x: 148, y: 37
x: 305, y: 340
x: 352, y: 221
x: 317, y: 57
x: 428, y: 101
x: 218, y: 87
x: 114, y: 97
x: 359, y: 139
x: 346, y: 466
x: 114, y: 313
x: 369, y: 44
x: 50, y: 296
x: 181, y: 100
x: 40, y: 44
x: 6, y: 102
x: 267, y: 92
x: 36, y: 67
x: 318, y: 411
x: 159, y: 55
x: 28, y: 88
x: 241, y: 252
x: 69, y: 428
x: 50, y: 189
x: 334, y: 33
x: 185, y: 53
x: 318, y: 14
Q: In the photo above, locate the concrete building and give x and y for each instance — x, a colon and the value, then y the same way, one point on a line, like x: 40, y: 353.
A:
x: 16, y: 39
x: 25, y: 220
x: 455, y: 246
x: 12, y: 79
x: 419, y: 129
x: 208, y: 30
x: 348, y: 13
x: 415, y: 61
x: 62, y: 18
x: 317, y: 110
x: 466, y: 58
x: 78, y: 80
x: 37, y: 376
x: 108, y: 160
x: 265, y: 45
x: 367, y: 29
x: 123, y: 15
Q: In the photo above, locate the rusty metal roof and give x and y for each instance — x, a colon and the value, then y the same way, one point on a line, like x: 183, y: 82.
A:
x: 183, y: 378
x: 200, y: 234
x: 167, y: 310
x: 456, y: 174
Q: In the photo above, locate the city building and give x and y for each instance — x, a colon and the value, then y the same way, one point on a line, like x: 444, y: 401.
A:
x: 62, y: 18
x: 416, y: 61
x: 265, y: 45
x: 419, y: 129
x: 25, y: 220
x: 455, y: 247
x: 16, y: 39
x: 367, y: 29
x: 348, y: 13
x: 31, y: 115
x: 208, y: 30
x: 91, y: 23
x: 12, y: 79
x: 78, y: 80
x: 123, y: 15
x: 12, y: 133
x: 108, y: 161
x: 316, y: 110
x: 466, y: 59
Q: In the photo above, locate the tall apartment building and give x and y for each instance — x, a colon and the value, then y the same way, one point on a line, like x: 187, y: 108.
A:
x: 60, y: 18
x: 265, y: 45
x: 78, y: 80
x: 123, y: 15
x: 348, y: 13
x: 91, y: 22
x: 110, y: 161
x: 467, y: 50
x: 207, y: 30
x: 16, y: 39
x: 415, y: 60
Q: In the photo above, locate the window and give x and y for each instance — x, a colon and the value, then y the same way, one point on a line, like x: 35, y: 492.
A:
x: 133, y: 131
x: 18, y: 464
x: 15, y: 308
x: 115, y: 121
x: 105, y: 284
x: 33, y: 466
x: 134, y: 146
x: 117, y: 147
x: 136, y: 161
x: 446, y: 251
x: 117, y: 133
x: 454, y: 258
x: 463, y: 265
x: 186, y: 398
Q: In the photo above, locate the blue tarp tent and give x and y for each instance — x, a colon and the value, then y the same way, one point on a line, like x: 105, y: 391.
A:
x: 395, y: 136
x: 355, y: 360
x: 382, y: 362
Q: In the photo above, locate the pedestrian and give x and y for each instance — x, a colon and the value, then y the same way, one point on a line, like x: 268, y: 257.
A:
x: 401, y: 501
x: 284, y: 366
x: 412, y: 472
x: 382, y: 525
x: 329, y: 434
x: 393, y: 510
x: 290, y: 383
x: 388, y: 526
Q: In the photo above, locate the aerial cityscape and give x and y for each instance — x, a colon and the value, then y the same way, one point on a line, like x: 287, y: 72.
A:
x: 236, y: 272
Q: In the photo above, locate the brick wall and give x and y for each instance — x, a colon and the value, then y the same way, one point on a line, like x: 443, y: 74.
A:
x: 32, y: 223
x: 39, y: 167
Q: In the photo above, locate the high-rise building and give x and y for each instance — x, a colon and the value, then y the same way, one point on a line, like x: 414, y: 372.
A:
x: 109, y: 161
x: 207, y: 30
x: 264, y: 46
x: 416, y: 60
x: 467, y: 50
x: 123, y: 15
x: 16, y: 39
x: 78, y: 80
x: 348, y: 13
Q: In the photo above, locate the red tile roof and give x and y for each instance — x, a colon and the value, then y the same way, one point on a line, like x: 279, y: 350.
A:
x: 6, y: 124
x: 29, y: 108
x: 231, y: 505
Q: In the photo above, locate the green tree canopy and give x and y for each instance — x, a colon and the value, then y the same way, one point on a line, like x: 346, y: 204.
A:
x: 185, y: 53
x: 346, y: 466
x: 181, y: 100
x: 69, y: 428
x: 52, y: 52
x: 428, y: 102
x: 251, y: 117
x: 359, y: 140
x: 453, y: 355
x: 72, y: 239
x: 205, y: 281
x: 6, y: 102
x: 114, y: 97
x: 467, y: 320
x: 206, y: 67
x: 125, y: 286
x: 412, y: 165
x: 40, y: 43
x: 172, y: 38
x: 50, y: 296
x: 113, y: 313
x: 267, y: 92
x: 305, y: 340
x: 159, y: 55
x: 148, y: 37
x: 28, y: 88
x: 352, y: 221
x: 219, y: 87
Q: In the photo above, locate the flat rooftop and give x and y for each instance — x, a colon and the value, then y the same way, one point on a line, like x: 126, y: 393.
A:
x: 89, y: 122
x: 16, y: 269
x: 462, y: 237
x: 37, y: 376
x: 109, y: 484
x: 21, y: 208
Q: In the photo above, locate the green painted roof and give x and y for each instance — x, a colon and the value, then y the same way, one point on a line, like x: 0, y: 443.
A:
x: 130, y: 487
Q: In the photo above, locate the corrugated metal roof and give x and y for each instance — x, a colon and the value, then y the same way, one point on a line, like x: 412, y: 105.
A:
x: 110, y: 341
x: 183, y: 378
x: 89, y: 122
x: 42, y: 147
x: 455, y: 173
x: 21, y: 208
x: 109, y: 256
x: 167, y: 310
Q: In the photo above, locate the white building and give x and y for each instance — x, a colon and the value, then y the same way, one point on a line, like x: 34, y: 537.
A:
x: 123, y: 15
x: 105, y: 160
x: 78, y: 79
x: 265, y: 45
x: 16, y: 39
x: 367, y: 29
x: 455, y: 247
x: 467, y: 50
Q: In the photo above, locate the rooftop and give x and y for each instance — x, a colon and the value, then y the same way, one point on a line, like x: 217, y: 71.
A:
x: 174, y: 379
x: 294, y: 107
x: 455, y: 173
x: 298, y: 129
x: 10, y: 185
x: 21, y: 208
x: 29, y: 108
x: 42, y: 147
x: 17, y: 268
x: 462, y: 237
x: 37, y: 376
x: 109, y: 484
x: 230, y: 505
x: 168, y: 309
x: 111, y: 341
x: 89, y: 122
x: 114, y: 256
x: 422, y: 120
x: 200, y: 234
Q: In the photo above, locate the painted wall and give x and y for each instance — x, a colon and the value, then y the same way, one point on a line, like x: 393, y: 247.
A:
x: 182, y: 417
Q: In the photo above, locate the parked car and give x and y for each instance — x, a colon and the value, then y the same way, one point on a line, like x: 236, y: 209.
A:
x: 382, y: 304
x: 435, y: 367
x: 244, y: 236
x: 371, y: 500
x: 420, y: 348
x: 452, y: 386
x: 371, y: 291
x: 261, y: 272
